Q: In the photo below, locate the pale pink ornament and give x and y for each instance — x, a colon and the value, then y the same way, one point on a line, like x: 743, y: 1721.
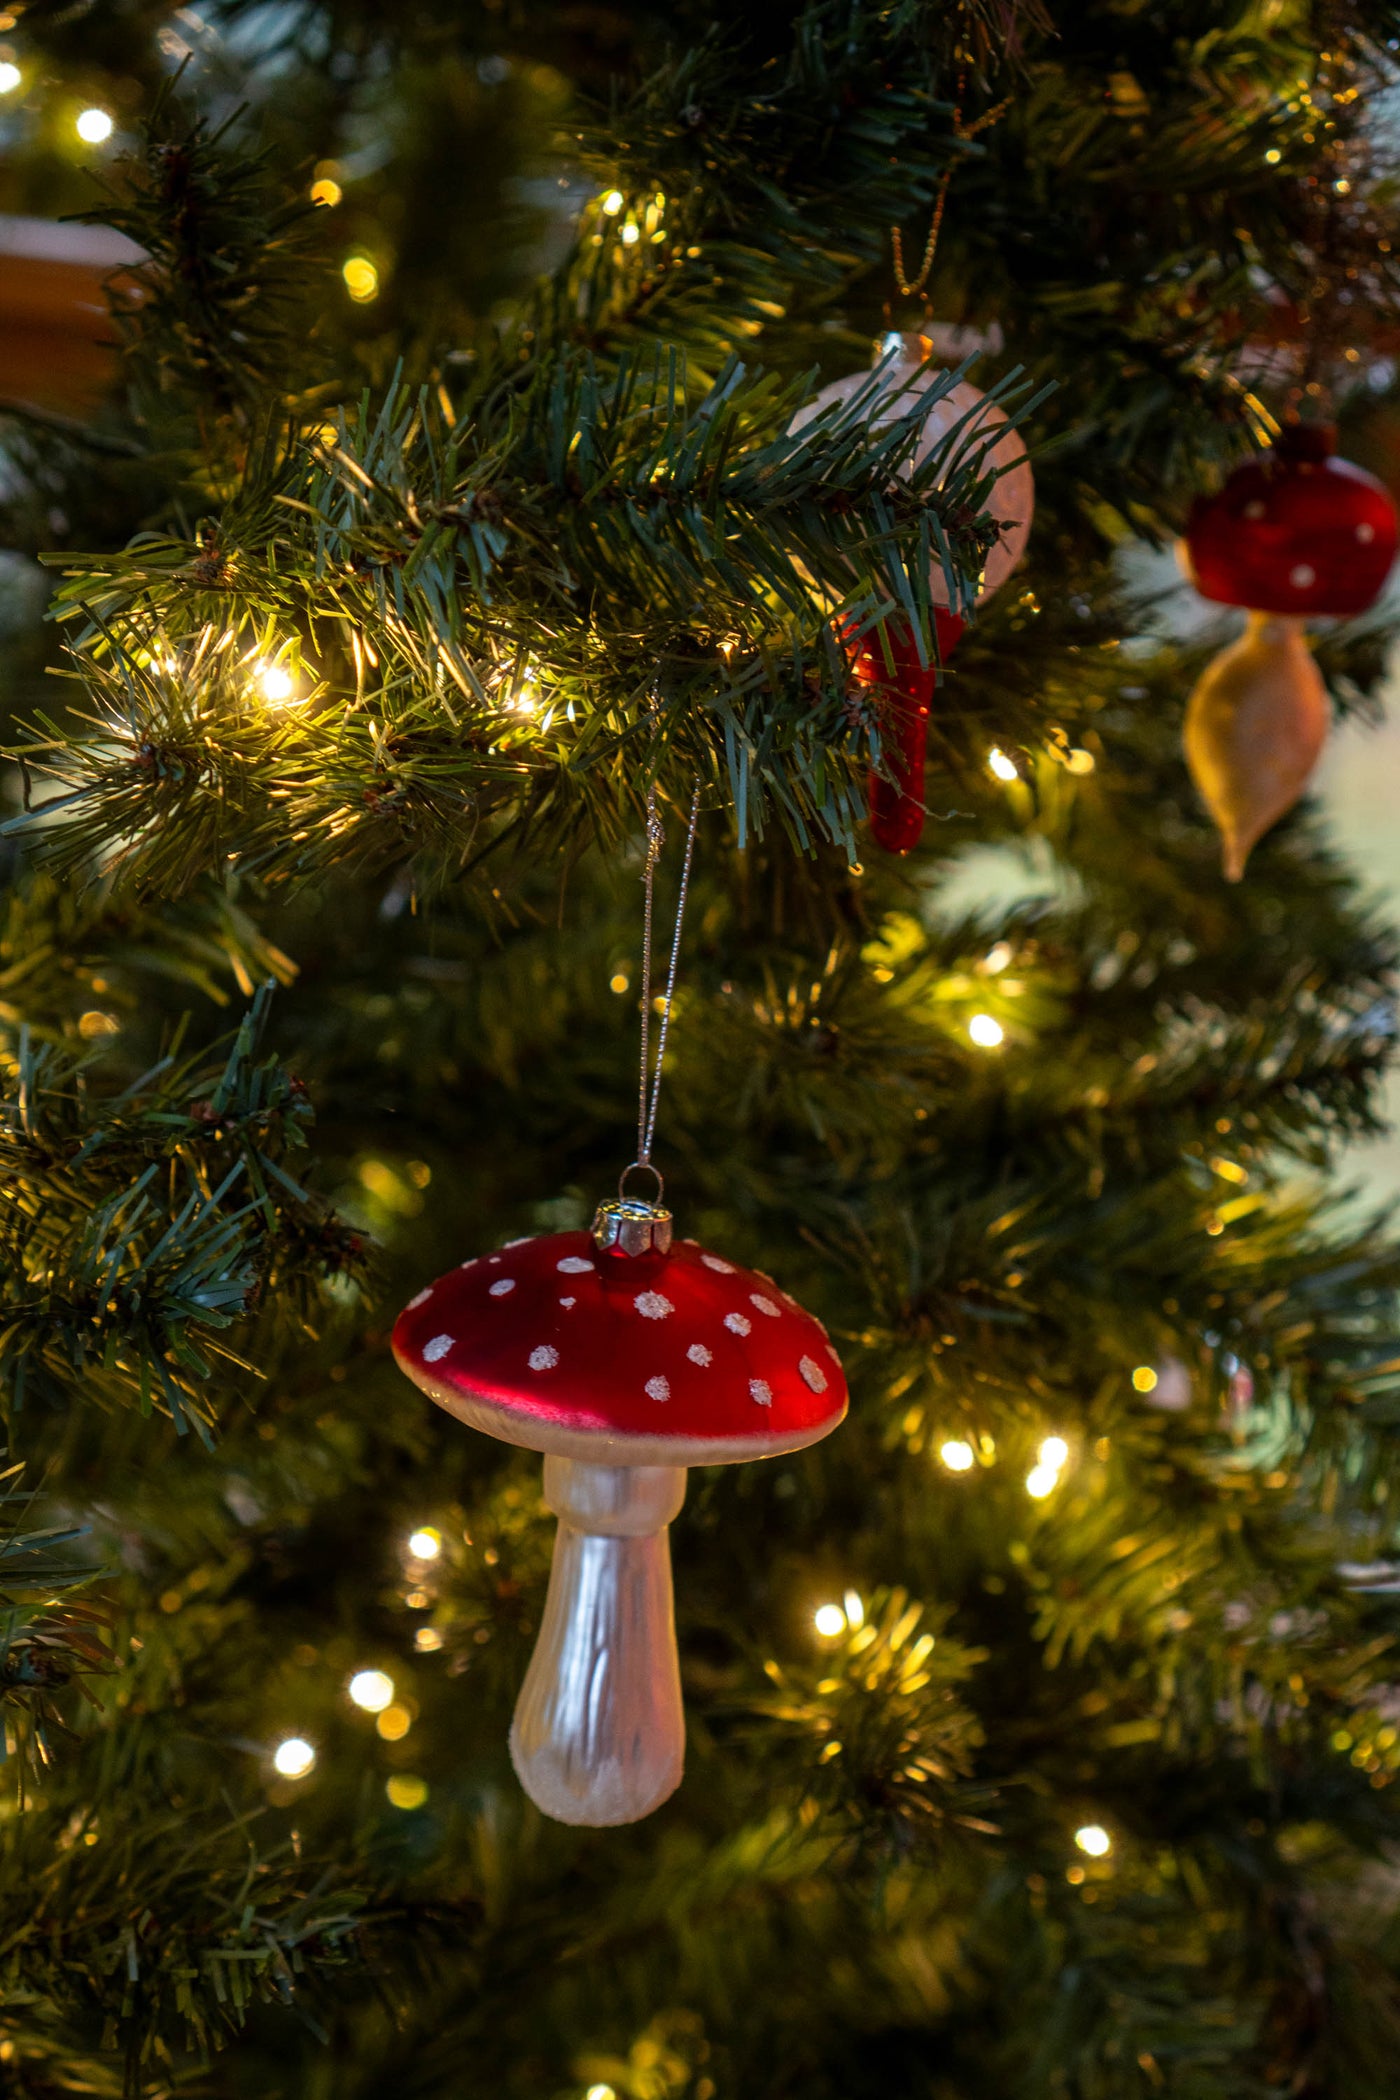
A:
x: 894, y: 387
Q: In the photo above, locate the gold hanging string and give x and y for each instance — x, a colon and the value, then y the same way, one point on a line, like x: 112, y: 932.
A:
x: 912, y: 288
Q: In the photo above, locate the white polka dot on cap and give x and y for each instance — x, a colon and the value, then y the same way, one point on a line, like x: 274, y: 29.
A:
x: 544, y: 1358
x: 437, y: 1348
x: 501, y: 1286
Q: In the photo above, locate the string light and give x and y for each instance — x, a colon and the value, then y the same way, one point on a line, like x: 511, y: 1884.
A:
x: 1145, y: 1379
x: 1094, y: 1840
x: 361, y: 278
x: 613, y: 203
x: 425, y: 1544
x: 985, y: 1031
x: 999, y: 764
x: 1042, y: 1481
x: 619, y: 982
x: 294, y: 1757
x: 829, y: 1620
x: 427, y: 1640
x: 854, y: 1609
x: 10, y: 77
x: 600, y: 2092
x: 1054, y: 1452
x: 405, y: 1790
x: 371, y: 1690
x: 275, y: 682
x: 394, y: 1723
x: 631, y: 234
x: 93, y: 126
x: 957, y: 1455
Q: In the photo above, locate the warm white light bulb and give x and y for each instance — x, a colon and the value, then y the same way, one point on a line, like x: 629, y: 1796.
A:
x: 425, y: 1544
x: 957, y: 1455
x: 1000, y: 765
x: 294, y: 1757
x: 630, y: 235
x: 10, y: 78
x: 1054, y: 1452
x: 985, y: 1031
x: 600, y: 2092
x: 1094, y: 1840
x: 372, y: 1690
x: 613, y: 203
x: 829, y: 1620
x: 1041, y: 1481
x: 93, y: 126
x: 276, y: 683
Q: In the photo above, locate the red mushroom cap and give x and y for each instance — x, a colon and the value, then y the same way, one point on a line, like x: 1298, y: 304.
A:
x: 674, y: 1359
x: 1294, y: 532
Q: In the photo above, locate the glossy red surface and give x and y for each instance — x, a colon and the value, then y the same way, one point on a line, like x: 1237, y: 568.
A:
x: 683, y: 1344
x: 897, y: 803
x: 1297, y: 531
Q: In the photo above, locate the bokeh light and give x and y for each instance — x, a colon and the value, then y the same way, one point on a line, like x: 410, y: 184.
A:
x: 372, y: 1690
x: 293, y: 1757
x: 361, y: 278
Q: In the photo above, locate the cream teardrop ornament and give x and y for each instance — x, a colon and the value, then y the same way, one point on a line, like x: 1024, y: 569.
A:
x: 1255, y: 726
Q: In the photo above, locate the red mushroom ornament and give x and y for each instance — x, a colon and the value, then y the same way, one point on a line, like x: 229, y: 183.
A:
x: 624, y: 1357
x: 1296, y: 534
x: 892, y: 662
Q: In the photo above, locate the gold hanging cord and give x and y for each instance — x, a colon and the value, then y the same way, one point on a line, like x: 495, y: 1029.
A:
x: 912, y: 289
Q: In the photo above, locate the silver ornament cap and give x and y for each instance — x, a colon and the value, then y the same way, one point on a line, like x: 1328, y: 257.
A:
x: 626, y: 1225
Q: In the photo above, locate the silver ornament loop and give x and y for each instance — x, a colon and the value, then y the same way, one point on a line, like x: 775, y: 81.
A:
x: 644, y: 1166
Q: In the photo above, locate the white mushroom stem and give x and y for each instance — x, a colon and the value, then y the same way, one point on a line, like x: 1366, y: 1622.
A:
x: 599, y: 1729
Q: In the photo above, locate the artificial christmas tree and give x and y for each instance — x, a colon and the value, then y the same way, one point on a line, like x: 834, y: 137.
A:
x: 452, y: 509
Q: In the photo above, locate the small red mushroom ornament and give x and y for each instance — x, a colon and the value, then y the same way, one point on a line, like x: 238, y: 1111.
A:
x: 624, y: 1356
x: 891, y: 662
x: 1296, y: 534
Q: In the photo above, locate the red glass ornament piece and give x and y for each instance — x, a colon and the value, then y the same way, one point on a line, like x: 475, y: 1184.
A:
x: 891, y: 663
x: 666, y: 1359
x: 1297, y: 531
